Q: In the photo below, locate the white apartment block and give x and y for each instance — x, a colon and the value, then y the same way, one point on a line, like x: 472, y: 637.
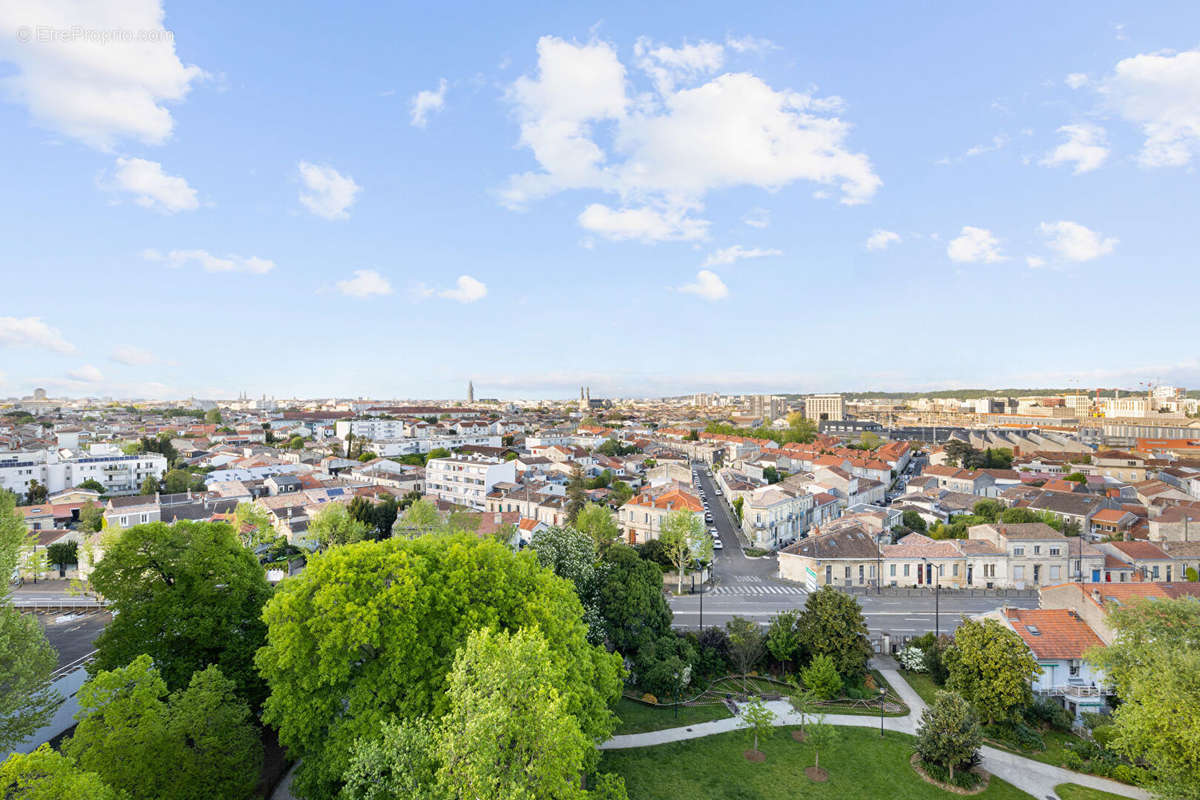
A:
x: 404, y: 447
x: 59, y: 470
x: 466, y: 481
x: 773, y: 516
x: 824, y: 406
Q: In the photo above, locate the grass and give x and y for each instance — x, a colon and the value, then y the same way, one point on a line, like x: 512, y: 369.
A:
x: 1073, y: 791
x: 638, y: 717
x: 861, y: 765
x: 752, y: 685
x: 922, y: 684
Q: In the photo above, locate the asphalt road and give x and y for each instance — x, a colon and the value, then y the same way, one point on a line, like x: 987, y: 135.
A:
x: 72, y: 635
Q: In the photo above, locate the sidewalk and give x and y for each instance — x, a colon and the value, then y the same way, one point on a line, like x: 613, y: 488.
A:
x: 1030, y: 776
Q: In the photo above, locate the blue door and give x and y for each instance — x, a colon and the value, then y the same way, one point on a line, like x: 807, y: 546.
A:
x: 1095, y: 576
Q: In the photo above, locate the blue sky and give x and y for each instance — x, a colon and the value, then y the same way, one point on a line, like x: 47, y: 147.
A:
x: 691, y: 197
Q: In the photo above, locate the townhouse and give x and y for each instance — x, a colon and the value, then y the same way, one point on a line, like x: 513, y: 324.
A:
x: 774, y: 516
x: 846, y: 557
x: 641, y: 518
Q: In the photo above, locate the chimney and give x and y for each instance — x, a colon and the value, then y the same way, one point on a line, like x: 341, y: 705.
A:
x: 1096, y: 595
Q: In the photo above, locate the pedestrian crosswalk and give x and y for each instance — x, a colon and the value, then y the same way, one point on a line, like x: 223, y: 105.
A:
x: 756, y: 589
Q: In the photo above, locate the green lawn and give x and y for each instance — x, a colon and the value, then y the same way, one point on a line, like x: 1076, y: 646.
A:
x: 1073, y: 791
x: 922, y: 684
x: 638, y: 717
x: 861, y: 766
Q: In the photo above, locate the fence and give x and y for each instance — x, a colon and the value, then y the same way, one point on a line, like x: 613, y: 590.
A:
x: 59, y: 604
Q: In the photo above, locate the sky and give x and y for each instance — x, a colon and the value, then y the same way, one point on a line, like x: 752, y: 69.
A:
x: 385, y: 200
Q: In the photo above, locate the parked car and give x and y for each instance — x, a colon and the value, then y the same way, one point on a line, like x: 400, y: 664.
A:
x: 717, y: 545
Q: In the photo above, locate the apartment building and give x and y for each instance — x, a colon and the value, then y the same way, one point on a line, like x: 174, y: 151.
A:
x: 820, y: 407
x: 466, y: 480
x: 59, y: 469
x: 1038, y: 555
x: 642, y: 517
x: 774, y: 516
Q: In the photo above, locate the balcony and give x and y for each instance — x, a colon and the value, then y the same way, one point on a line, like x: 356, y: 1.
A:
x: 1078, y: 690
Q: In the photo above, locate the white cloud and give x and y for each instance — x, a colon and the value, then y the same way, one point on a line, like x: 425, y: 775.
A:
x: 94, y: 88
x: 1161, y: 93
x: 1074, y: 242
x: 750, y: 44
x: 365, y: 283
x: 707, y: 285
x: 426, y: 102
x: 973, y: 246
x: 1035, y: 261
x: 757, y: 218
x: 667, y: 65
x: 132, y: 356
x: 87, y: 373
x: 998, y: 142
x: 730, y: 255
x: 467, y: 290
x: 176, y: 259
x: 665, y: 150
x: 329, y: 192
x: 643, y: 224
x: 1086, y: 147
x: 1076, y: 80
x: 32, y: 332
x: 880, y: 239
x: 151, y: 187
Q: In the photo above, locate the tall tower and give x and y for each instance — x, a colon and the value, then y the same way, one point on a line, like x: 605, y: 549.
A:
x: 583, y: 403
x: 470, y: 391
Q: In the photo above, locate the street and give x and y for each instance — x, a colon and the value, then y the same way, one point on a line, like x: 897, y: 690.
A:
x: 749, y: 587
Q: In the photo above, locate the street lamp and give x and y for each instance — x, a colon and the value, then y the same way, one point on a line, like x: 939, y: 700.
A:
x: 937, y: 600
x: 882, y: 695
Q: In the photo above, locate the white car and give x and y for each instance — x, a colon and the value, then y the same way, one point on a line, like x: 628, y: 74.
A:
x: 717, y: 545
x: 718, y: 492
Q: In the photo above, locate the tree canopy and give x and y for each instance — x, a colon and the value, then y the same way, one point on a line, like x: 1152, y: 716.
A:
x: 598, y: 523
x: 832, y: 624
x: 949, y: 734
x: 188, y: 595
x: 990, y: 666
x: 369, y: 631
x: 46, y: 774
x: 333, y: 525
x: 629, y: 596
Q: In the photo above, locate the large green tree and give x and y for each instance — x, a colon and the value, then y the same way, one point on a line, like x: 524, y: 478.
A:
x: 46, y: 774
x: 832, y: 624
x: 402, y: 761
x: 510, y: 733
x: 252, y: 524
x: 685, y: 542
x: 598, y: 523
x: 368, y: 632
x: 26, y: 658
x: 189, y: 595
x: 746, y: 644
x: 990, y: 666
x: 1154, y: 666
x: 783, y: 637
x: 629, y: 596
x: 333, y: 525
x: 199, y: 743
x: 949, y: 734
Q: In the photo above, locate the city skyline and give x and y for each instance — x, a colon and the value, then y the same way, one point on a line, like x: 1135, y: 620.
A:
x: 822, y: 199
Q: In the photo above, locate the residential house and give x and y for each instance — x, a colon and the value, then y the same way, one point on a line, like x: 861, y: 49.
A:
x: 1059, y: 639
x: 641, y: 518
x: 847, y: 557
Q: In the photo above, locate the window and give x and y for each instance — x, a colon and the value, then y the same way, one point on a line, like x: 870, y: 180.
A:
x: 1037, y: 549
x: 1054, y: 573
x: 941, y: 570
x: 892, y: 571
x: 906, y: 570
x: 954, y: 570
x: 1018, y: 551
x: 1054, y: 551
x: 847, y: 574
x: 1018, y: 573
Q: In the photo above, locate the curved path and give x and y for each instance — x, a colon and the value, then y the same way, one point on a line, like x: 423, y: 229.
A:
x: 1034, y: 777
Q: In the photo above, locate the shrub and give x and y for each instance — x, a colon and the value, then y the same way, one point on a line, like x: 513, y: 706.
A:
x: 1103, y: 734
x: 1072, y: 760
x: 649, y: 698
x: 1049, y: 713
x: 1092, y: 719
x: 822, y: 677
x: 964, y: 777
x: 1016, y: 734
x: 912, y: 659
x: 1124, y: 773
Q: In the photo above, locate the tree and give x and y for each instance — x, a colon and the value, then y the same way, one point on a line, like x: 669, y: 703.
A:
x: 510, y: 732
x: 63, y: 554
x: 949, y: 734
x: 149, y: 485
x: 91, y: 518
x: 746, y: 644
x: 420, y: 518
x: 197, y: 744
x: 368, y: 633
x: 988, y: 509
x: 189, y: 595
x: 333, y: 525
x: 990, y: 666
x: 913, y: 521
x: 758, y: 719
x: 822, y: 678
x: 252, y: 524
x: 437, y: 452
x: 738, y: 503
x: 869, y: 441
x: 296, y: 442
x: 177, y: 481
x: 961, y: 453
x: 93, y: 485
x: 26, y: 701
x: 401, y: 761
x: 620, y: 493
x: 576, y: 494
x: 783, y: 637
x: 832, y: 624
x: 664, y: 665
x: 46, y: 774
x: 36, y: 494
x: 822, y: 736
x: 801, y: 428
x: 801, y: 699
x: 213, y: 416
x: 597, y: 522
x: 771, y: 475
x: 572, y: 555
x: 684, y: 541
x: 1153, y: 665
x: 1076, y: 477
x: 629, y: 595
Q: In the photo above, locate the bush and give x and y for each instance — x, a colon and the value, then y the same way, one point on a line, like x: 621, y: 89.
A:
x: 1072, y: 760
x: 1103, y: 734
x: 650, y: 699
x: 1124, y: 773
x: 1049, y: 713
x: 754, y: 552
x: 964, y: 775
x: 1016, y: 734
x: 821, y: 676
x: 912, y: 659
x: 1092, y: 719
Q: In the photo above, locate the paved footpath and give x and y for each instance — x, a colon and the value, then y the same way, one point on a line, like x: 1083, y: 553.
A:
x: 1030, y: 776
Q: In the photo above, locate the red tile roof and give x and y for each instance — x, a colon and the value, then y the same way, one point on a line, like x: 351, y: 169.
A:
x: 1053, y: 633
